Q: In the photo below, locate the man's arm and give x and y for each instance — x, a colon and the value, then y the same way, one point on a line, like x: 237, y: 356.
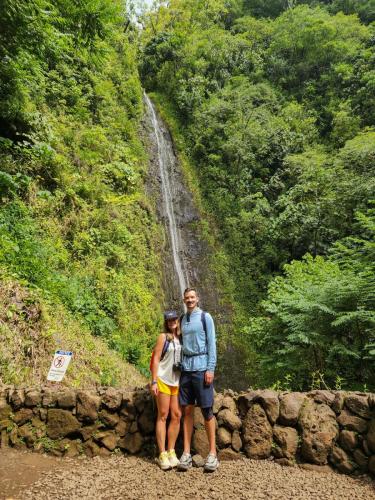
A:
x: 211, y: 349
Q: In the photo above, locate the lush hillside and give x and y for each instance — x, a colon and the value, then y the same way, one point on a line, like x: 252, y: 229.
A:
x: 277, y: 112
x: 77, y: 232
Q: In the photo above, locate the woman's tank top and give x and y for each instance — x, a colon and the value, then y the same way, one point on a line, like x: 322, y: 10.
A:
x: 165, y: 369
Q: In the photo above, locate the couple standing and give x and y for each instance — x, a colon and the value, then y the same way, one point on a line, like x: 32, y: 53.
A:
x: 183, y: 367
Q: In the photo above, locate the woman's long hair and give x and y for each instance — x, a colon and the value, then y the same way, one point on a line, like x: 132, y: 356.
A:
x: 167, y: 330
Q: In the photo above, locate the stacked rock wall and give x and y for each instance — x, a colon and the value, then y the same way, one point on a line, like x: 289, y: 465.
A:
x: 313, y: 429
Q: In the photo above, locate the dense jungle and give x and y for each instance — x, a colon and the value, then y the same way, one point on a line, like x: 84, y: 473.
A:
x: 271, y: 108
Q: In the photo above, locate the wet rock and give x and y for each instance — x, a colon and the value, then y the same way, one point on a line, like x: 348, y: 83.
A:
x: 360, y: 458
x: 87, y: 406
x: 287, y: 440
x: 236, y: 441
x: 109, y: 419
x: 61, y: 423
x: 22, y: 416
x: 17, y: 398
x: 200, y: 442
x: 257, y: 433
x: 131, y: 442
x: 340, y: 459
x: 370, y: 437
x: 290, y: 407
x: 352, y: 422
x: 270, y: 403
x: 112, y: 398
x: 224, y: 437
x: 348, y: 440
x: 33, y: 398
x: 227, y: 454
x: 66, y: 398
x: 319, y: 431
x: 229, y: 419
x: 358, y: 405
x: 198, y: 461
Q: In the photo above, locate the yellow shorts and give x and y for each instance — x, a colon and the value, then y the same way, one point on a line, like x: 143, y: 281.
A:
x: 167, y: 389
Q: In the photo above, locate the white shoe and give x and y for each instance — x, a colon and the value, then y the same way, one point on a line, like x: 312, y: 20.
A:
x: 163, y: 461
x: 173, y: 460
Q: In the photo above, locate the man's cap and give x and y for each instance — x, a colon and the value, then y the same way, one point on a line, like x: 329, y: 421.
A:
x: 170, y: 315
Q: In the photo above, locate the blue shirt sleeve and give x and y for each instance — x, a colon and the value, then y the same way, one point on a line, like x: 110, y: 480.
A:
x: 211, y: 343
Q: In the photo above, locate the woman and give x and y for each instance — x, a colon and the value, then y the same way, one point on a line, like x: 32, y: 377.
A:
x: 164, y: 386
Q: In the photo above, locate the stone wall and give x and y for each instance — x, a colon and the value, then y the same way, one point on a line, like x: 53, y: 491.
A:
x: 314, y: 429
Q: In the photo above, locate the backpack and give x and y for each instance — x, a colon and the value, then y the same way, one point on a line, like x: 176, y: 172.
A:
x: 167, y: 341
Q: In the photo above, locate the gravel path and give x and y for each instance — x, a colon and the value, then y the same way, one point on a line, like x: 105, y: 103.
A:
x: 121, y: 477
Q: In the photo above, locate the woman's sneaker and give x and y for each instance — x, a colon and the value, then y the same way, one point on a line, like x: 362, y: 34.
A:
x: 212, y: 463
x: 163, y: 461
x: 186, y: 462
x: 173, y: 460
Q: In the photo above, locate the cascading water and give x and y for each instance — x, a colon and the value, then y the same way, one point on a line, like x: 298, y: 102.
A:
x: 166, y: 160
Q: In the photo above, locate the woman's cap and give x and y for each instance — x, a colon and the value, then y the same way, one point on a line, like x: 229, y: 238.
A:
x: 170, y: 315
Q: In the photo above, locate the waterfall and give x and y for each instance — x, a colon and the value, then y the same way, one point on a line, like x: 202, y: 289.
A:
x: 166, y: 161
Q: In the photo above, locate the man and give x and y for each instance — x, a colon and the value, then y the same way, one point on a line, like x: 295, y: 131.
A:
x: 196, y: 382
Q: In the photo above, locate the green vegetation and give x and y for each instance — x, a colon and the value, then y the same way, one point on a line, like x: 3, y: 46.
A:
x: 75, y: 225
x: 275, y: 101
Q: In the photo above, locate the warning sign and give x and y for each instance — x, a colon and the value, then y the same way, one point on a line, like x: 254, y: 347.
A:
x: 59, y: 365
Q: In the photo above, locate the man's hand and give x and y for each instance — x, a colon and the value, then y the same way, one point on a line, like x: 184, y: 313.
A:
x: 208, y: 378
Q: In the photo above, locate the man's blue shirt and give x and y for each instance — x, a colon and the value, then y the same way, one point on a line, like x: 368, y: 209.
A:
x: 194, y: 342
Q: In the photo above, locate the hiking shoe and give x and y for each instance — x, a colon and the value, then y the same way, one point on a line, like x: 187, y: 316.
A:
x: 186, y: 462
x: 163, y: 461
x: 173, y: 460
x: 212, y: 463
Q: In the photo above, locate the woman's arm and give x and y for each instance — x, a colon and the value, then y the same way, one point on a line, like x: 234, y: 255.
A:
x: 155, y: 362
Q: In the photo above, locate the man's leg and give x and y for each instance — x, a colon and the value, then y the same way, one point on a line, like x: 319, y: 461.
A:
x: 188, y: 427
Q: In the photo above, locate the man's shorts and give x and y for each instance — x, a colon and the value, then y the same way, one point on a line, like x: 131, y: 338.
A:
x: 193, y: 390
x: 171, y: 390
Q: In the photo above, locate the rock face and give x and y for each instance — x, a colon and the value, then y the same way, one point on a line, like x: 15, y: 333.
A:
x: 286, y: 439
x: 257, y: 433
x: 319, y: 431
x: 290, y: 406
x: 61, y: 423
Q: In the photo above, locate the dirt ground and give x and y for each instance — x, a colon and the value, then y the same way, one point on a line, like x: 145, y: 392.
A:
x: 24, y: 475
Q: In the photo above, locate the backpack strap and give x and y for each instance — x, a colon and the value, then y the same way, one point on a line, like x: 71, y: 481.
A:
x: 165, y: 346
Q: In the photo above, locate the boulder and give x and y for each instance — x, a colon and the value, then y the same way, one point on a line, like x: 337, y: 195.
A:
x: 87, y: 406
x: 22, y: 416
x: 49, y: 397
x: 66, y: 398
x: 91, y: 449
x: 361, y: 459
x: 352, y: 422
x: 229, y: 419
x: 236, y: 441
x: 370, y: 437
x: 358, y: 405
x: 198, y: 418
x: 17, y: 398
x: 26, y: 433
x: 348, y: 440
x: 217, y: 403
x: 112, y: 398
x: 287, y: 441
x: 341, y: 461
x: 73, y: 449
x: 131, y: 443
x: 88, y: 431
x: 229, y: 403
x: 122, y: 427
x: 224, y: 437
x: 61, y: 423
x: 33, y: 398
x: 227, y: 454
x: 290, y: 407
x: 245, y: 400
x: 257, y: 433
x: 270, y: 403
x: 319, y: 431
x: 109, y: 439
x: 146, y: 421
x: 200, y: 442
x: 109, y: 419
x: 320, y: 396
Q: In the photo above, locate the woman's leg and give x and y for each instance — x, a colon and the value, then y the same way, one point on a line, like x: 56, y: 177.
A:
x: 163, y: 402
x: 174, y: 424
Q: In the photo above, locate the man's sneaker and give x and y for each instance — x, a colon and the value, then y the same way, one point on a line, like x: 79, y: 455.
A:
x: 163, y: 461
x: 173, y: 460
x: 212, y: 463
x: 186, y: 462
